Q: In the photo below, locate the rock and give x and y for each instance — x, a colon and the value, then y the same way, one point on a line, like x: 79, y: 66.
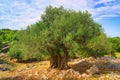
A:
x: 93, y: 70
x: 17, y: 78
x: 2, y: 61
x: 20, y: 70
x: 30, y: 75
x: 44, y: 77
x: 5, y: 48
x: 107, y: 58
x: 84, y: 75
x: 108, y: 65
x: 36, y: 73
x: 2, y: 55
x: 71, y: 71
x: 80, y: 76
x: 4, y: 67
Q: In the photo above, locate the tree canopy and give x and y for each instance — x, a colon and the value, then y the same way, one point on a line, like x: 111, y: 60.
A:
x: 115, y: 41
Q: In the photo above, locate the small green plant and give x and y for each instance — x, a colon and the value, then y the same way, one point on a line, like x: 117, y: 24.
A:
x: 15, y: 52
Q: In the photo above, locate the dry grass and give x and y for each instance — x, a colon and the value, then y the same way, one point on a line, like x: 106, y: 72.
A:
x: 38, y: 71
x: 19, y: 68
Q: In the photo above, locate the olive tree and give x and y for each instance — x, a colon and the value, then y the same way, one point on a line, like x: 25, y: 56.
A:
x: 65, y: 28
x: 60, y: 32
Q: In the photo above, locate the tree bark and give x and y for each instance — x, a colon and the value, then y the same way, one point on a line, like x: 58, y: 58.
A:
x: 58, y: 61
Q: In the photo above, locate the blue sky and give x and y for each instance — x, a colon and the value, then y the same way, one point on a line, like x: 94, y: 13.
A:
x: 17, y: 14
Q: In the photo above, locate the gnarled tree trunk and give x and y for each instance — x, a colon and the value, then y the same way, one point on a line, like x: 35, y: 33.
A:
x: 58, y: 61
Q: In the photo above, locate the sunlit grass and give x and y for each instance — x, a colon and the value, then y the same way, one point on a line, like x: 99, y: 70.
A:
x: 117, y: 54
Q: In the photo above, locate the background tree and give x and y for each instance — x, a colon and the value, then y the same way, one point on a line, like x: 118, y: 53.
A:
x: 6, y: 37
x: 28, y: 45
x: 99, y: 46
x: 115, y: 41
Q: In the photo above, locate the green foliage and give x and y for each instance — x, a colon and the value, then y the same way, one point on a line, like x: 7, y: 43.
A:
x: 115, y: 41
x: 74, y: 30
x: 28, y: 45
x: 7, y: 36
x: 15, y: 52
x: 99, y: 46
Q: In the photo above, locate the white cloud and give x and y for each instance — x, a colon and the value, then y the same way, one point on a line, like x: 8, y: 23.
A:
x: 20, y: 15
x: 17, y: 14
x: 103, y: 1
x: 106, y: 11
x: 111, y: 15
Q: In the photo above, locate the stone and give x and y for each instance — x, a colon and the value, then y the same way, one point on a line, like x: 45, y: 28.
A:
x: 44, y: 77
x: 4, y: 67
x: 93, y: 70
x: 2, y: 55
x: 36, y: 73
x: 84, y: 75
